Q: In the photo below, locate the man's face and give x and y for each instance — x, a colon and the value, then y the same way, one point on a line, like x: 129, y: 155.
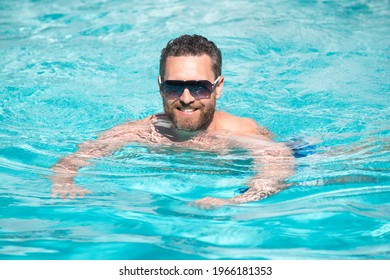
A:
x: 186, y: 112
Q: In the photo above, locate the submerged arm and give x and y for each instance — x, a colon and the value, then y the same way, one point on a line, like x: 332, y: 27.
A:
x: 66, y: 169
x: 273, y: 163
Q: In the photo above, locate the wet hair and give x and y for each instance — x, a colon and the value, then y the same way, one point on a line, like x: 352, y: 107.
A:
x: 191, y: 45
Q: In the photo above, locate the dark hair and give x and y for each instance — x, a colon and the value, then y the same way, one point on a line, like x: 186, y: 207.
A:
x: 192, y: 45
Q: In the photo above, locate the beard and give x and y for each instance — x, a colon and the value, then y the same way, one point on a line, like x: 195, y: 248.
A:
x: 200, y: 120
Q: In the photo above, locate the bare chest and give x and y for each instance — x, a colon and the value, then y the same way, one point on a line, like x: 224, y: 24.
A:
x: 204, y: 141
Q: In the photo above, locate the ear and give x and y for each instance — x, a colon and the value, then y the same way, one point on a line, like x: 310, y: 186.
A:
x: 159, y: 84
x: 219, y: 87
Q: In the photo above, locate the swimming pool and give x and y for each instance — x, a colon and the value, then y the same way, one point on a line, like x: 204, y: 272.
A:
x: 317, y: 71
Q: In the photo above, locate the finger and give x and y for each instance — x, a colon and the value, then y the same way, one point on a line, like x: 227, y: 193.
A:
x: 63, y: 194
x: 83, y: 192
x: 54, y: 194
x: 72, y: 194
x: 206, y: 204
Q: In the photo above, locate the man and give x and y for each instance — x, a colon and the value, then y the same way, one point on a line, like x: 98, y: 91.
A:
x: 190, y: 82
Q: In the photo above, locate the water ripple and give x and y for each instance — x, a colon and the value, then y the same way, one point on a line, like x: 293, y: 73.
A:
x: 69, y: 72
x: 336, y: 201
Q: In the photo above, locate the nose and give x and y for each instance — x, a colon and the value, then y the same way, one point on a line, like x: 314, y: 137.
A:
x: 186, y: 97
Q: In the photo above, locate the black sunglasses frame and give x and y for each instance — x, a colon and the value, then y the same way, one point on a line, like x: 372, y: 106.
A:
x: 194, y: 87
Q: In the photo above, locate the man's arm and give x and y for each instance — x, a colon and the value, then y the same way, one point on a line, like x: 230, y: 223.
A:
x: 273, y: 163
x: 65, y: 170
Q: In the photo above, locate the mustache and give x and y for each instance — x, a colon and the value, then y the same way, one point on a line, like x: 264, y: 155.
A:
x: 186, y: 106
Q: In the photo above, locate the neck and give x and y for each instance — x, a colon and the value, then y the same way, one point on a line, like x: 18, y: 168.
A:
x: 183, y: 135
x: 165, y: 127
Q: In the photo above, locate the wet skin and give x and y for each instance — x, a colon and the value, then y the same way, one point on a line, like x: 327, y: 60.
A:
x: 190, y: 123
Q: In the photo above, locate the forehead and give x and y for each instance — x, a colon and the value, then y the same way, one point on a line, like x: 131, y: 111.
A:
x: 189, y: 68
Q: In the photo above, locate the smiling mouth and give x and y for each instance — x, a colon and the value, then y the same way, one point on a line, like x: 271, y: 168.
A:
x: 187, y: 110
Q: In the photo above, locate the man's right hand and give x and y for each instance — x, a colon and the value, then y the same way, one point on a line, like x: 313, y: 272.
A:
x: 68, y: 190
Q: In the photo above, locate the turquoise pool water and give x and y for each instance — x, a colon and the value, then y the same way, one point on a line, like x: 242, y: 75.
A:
x: 312, y: 70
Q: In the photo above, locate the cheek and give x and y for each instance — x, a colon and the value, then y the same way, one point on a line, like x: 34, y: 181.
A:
x: 167, y: 103
x: 209, y: 103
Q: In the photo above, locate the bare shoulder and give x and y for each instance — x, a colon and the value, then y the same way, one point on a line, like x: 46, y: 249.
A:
x: 241, y: 126
x: 125, y: 129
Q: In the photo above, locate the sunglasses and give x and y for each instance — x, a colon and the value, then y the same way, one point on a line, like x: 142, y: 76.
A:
x: 201, y: 89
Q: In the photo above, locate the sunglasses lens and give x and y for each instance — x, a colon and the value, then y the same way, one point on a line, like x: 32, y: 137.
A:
x: 172, y: 89
x: 198, y: 89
